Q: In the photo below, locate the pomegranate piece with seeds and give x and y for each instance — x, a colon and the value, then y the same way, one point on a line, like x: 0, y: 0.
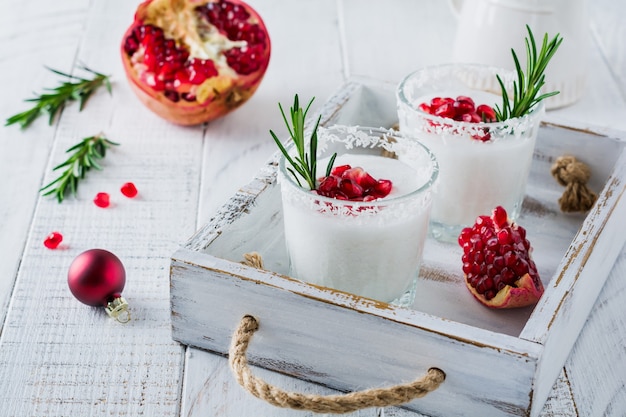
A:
x: 192, y: 61
x: 497, y: 263
x: 354, y: 184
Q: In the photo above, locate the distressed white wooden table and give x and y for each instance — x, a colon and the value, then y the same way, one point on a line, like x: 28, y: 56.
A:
x: 61, y: 358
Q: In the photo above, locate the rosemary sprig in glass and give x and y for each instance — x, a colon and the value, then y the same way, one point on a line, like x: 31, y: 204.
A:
x: 52, y: 102
x: 528, y: 85
x: 84, y: 157
x: 304, y: 163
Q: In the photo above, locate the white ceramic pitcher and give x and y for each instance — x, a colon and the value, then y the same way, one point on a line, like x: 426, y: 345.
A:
x: 488, y: 29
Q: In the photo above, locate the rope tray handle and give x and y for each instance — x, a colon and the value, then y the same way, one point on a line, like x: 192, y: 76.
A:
x: 337, y: 404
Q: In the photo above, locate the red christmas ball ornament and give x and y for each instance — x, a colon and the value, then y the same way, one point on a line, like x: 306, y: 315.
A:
x: 96, y: 277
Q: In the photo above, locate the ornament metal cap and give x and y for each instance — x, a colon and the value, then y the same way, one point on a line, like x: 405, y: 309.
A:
x: 118, y: 309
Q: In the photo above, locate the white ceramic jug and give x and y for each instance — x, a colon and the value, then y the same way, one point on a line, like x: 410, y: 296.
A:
x: 488, y: 29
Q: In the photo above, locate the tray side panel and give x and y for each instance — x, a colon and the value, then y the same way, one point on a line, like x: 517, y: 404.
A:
x: 320, y: 339
x: 559, y: 318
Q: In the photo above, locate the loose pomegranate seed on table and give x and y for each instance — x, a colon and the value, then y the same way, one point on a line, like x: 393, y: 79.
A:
x: 129, y: 190
x: 53, y: 240
x: 102, y: 200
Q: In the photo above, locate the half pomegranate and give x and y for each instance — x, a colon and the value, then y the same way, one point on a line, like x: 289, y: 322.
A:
x: 192, y: 61
x: 498, y: 268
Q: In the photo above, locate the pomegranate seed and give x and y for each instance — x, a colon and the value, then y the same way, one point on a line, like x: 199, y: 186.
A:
x: 425, y: 108
x: 350, y: 188
x: 383, y: 188
x: 463, y: 107
x: 328, y: 185
x: 486, y: 113
x: 465, y: 235
x: 358, y: 175
x: 172, y: 95
x: 339, y: 170
x: 129, y: 190
x: 510, y: 259
x: 53, y: 240
x: 466, y: 100
x: 499, y: 216
x: 131, y: 45
x: 440, y: 101
x: 102, y: 200
x: 505, y: 236
x: 445, y: 110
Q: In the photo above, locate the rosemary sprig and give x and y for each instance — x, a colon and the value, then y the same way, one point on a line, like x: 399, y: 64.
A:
x: 305, y: 163
x: 75, y: 88
x: 528, y: 85
x: 84, y: 157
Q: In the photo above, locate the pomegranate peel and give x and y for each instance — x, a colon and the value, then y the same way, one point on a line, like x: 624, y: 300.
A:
x: 192, y: 61
x: 497, y: 264
x: 523, y: 293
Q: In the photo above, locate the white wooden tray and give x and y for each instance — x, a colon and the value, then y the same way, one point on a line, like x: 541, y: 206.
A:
x: 498, y: 363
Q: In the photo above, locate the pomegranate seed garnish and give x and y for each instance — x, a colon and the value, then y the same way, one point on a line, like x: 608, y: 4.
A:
x: 102, y: 200
x: 53, y: 240
x: 461, y: 109
x: 129, y: 190
x: 348, y: 183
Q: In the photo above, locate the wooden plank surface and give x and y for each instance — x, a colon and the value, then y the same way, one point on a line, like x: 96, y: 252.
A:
x: 59, y: 357
x: 24, y: 155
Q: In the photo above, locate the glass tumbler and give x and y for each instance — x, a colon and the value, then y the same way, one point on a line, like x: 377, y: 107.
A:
x: 368, y: 248
x: 482, y: 165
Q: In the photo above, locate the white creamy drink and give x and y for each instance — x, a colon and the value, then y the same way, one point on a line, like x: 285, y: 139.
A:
x: 475, y: 175
x: 372, y: 249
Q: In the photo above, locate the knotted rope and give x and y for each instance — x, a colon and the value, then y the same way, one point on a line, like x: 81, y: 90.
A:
x: 573, y: 175
x: 337, y: 404
x: 253, y: 259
